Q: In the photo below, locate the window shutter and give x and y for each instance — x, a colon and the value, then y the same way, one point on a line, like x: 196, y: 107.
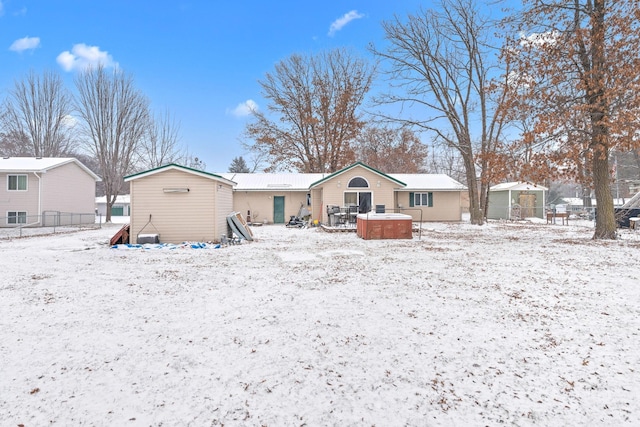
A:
x: 411, y: 200
x: 430, y: 200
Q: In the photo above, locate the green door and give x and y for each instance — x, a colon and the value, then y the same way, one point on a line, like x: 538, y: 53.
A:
x: 278, y: 209
x: 117, y: 210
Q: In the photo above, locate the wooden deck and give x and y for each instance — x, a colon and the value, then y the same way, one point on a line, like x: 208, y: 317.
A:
x: 348, y: 228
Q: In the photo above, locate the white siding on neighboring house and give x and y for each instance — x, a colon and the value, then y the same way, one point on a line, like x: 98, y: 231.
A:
x: 68, y: 188
x: 53, y: 185
x: 122, y: 203
x: 19, y: 200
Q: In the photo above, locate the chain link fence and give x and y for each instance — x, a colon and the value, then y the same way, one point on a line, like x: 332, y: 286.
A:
x: 18, y: 224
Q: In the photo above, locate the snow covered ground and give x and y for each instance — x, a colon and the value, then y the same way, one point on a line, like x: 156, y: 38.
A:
x: 515, y: 323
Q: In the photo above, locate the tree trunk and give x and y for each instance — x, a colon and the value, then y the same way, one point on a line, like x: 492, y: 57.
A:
x: 111, y: 199
x: 605, y: 216
x: 475, y: 210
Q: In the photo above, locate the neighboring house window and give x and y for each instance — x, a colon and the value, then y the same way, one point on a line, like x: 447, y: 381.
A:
x: 17, y: 182
x: 16, y: 217
x: 421, y: 199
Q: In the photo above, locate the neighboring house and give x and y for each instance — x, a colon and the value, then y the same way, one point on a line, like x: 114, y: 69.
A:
x: 576, y: 204
x: 164, y: 200
x: 121, y: 207
x: 516, y: 200
x: 179, y: 204
x: 46, y: 192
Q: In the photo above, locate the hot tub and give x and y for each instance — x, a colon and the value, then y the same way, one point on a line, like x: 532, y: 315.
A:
x: 376, y: 226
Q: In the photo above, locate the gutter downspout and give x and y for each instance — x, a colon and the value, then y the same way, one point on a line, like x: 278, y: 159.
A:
x: 39, y: 197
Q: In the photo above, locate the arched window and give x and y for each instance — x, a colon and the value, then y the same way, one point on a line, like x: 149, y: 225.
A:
x: 358, y: 182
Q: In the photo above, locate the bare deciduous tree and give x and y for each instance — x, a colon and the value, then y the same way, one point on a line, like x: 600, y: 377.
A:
x: 315, y: 100
x: 582, y: 60
x: 441, y: 64
x: 114, y: 117
x: 446, y: 160
x: 391, y: 150
x: 161, y: 144
x: 36, y: 117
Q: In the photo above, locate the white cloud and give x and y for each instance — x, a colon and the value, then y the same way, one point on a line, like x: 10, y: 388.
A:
x: 245, y: 108
x: 343, y: 20
x: 69, y: 121
x: 82, y: 56
x: 26, y: 43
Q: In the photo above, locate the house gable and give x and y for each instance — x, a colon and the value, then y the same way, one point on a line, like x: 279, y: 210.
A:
x: 353, y: 167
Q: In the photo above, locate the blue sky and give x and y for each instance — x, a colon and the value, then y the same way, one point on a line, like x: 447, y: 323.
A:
x: 200, y: 59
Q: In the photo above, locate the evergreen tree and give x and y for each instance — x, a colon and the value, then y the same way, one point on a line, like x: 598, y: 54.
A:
x: 238, y: 165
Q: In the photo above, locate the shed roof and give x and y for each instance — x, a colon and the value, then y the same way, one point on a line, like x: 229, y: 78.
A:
x: 40, y: 164
x: 431, y: 182
x: 273, y: 181
x: 517, y: 186
x: 173, y: 166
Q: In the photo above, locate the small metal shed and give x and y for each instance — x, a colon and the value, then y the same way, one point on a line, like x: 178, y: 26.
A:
x: 516, y: 200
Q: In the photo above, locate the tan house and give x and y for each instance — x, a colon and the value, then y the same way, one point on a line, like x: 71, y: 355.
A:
x: 273, y: 198
x: 179, y: 204
x: 46, y: 192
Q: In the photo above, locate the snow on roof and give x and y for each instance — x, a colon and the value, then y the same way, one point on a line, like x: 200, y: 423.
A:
x: 302, y: 181
x: 273, y: 181
x: 423, y: 181
x: 517, y: 186
x: 174, y: 166
x: 578, y: 201
x: 39, y: 164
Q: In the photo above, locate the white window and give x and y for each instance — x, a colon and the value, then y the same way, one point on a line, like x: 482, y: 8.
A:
x: 16, y: 217
x: 17, y: 182
x: 421, y: 199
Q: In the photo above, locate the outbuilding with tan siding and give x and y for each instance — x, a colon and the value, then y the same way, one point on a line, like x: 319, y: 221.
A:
x: 179, y: 204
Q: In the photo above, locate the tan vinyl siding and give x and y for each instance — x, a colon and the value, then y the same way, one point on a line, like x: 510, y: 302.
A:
x: 260, y: 203
x: 224, y: 206
x: 381, y: 188
x: 447, y: 206
x: 68, y: 188
x: 317, y: 202
x: 19, y: 201
x: 177, y: 217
